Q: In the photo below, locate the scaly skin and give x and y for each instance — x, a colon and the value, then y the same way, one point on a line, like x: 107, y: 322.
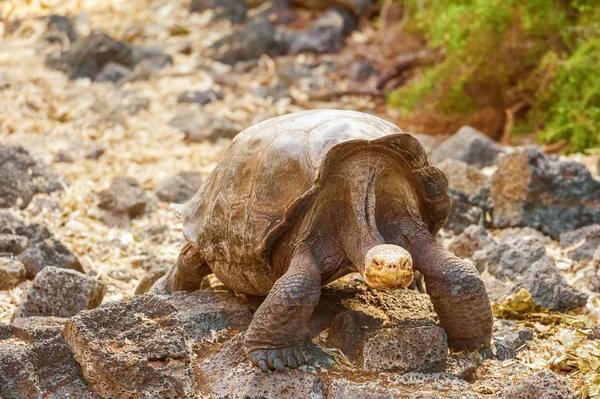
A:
x: 456, y: 290
x: 272, y: 340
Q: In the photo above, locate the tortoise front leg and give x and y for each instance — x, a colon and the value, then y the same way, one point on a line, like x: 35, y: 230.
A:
x: 272, y: 340
x: 456, y: 290
x: 185, y: 275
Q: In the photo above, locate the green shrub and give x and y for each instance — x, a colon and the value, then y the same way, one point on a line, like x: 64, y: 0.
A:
x: 499, y: 52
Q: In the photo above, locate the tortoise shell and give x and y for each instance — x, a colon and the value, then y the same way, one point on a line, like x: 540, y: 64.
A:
x: 272, y: 171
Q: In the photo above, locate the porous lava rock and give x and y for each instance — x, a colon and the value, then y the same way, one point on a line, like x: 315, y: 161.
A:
x: 468, y: 145
x: 122, y: 201
x: 531, y: 189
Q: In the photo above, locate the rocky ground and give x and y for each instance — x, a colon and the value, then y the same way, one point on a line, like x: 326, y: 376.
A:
x: 95, y: 144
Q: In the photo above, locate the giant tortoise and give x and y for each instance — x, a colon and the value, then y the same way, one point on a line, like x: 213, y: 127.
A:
x: 303, y: 199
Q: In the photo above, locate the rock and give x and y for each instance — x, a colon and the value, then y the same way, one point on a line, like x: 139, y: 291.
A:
x: 61, y: 293
x: 517, y: 255
x: 549, y: 288
x: 531, y: 189
x: 122, y: 201
x: 463, y: 177
x: 463, y: 364
x: 179, y: 188
x: 231, y: 10
x: 509, y: 341
x: 497, y: 289
x: 361, y: 70
x: 405, y: 349
x: 275, y: 92
x: 12, y: 244
x: 63, y: 24
x: 472, y: 239
x: 37, y: 328
x: 35, y: 232
x: 248, y: 382
x: 12, y: 273
x: 590, y: 235
x: 512, y: 232
x: 134, y: 348
x: 205, y: 311
x: 463, y: 213
x: 200, y: 127
x: 200, y: 97
x: 22, y: 177
x: 36, y: 362
x: 154, y: 58
x: 468, y: 145
x: 341, y: 388
x: 256, y: 38
x: 113, y: 72
x: 48, y: 252
x: 544, y: 384
x: 87, y: 56
x: 360, y: 333
x: 327, y: 34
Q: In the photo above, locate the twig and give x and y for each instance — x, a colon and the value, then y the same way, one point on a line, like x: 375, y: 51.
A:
x: 510, y: 120
x: 334, y: 94
x: 555, y: 148
x: 403, y: 63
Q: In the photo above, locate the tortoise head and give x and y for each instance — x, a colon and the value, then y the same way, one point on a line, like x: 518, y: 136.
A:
x: 388, y: 266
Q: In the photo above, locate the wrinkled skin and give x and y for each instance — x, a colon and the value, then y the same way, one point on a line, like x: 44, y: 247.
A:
x: 370, y: 197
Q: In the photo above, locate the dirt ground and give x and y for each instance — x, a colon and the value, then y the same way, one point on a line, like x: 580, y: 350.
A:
x: 49, y: 114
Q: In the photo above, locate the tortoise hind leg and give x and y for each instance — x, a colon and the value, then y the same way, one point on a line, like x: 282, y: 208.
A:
x: 185, y: 275
x: 272, y: 340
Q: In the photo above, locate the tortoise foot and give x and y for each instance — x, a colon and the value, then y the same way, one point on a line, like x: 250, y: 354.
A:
x: 300, y: 354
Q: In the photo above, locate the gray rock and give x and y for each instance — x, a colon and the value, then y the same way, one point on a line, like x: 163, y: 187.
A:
x: 275, y: 92
x: 517, y: 256
x: 256, y: 38
x: 200, y: 97
x: 113, y: 72
x: 12, y: 244
x: 405, y: 349
x: 590, y: 235
x: 216, y: 367
x: 180, y: 187
x: 199, y: 127
x: 327, y: 34
x: 37, y: 328
x: 248, y: 382
x: 510, y: 340
x: 35, y: 232
x: 472, y: 239
x: 463, y: 177
x: 468, y: 145
x: 549, y: 288
x: 12, y: 273
x: 61, y: 293
x: 63, y: 24
x: 122, y: 201
x: 36, y: 362
x: 87, y: 56
x: 134, y: 349
x: 231, y: 10
x: 531, y: 189
x: 544, y: 384
x: 22, y: 177
x: 154, y: 58
x: 341, y: 388
x: 205, y: 311
x: 48, y: 252
x: 361, y: 70
x: 463, y: 212
x: 151, y: 277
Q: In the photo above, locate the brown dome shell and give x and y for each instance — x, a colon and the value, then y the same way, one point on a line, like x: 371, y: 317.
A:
x: 271, y: 172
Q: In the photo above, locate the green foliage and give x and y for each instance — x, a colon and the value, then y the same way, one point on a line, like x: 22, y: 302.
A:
x: 498, y: 52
